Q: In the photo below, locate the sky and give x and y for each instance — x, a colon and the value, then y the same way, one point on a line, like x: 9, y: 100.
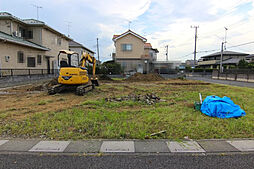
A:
x: 162, y: 22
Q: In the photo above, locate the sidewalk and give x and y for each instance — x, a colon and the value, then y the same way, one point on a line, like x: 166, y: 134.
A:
x: 128, y: 146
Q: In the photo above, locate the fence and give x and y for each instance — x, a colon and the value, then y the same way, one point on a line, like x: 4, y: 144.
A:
x: 199, y: 72
x: 26, y: 72
x: 244, y: 75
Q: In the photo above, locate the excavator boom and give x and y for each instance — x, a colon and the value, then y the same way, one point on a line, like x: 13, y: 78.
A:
x: 88, y: 58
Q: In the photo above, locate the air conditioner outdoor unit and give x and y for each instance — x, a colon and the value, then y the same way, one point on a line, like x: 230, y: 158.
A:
x: 15, y: 33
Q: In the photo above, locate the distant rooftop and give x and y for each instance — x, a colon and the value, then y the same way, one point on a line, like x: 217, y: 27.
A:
x: 231, y: 61
x: 231, y: 53
x: 115, y: 37
x: 76, y: 44
x: 148, y: 45
x: 33, y: 21
x: 5, y: 14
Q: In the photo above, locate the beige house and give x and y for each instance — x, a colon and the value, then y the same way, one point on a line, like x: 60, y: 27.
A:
x: 29, y: 43
x: 79, y: 48
x: 133, y: 52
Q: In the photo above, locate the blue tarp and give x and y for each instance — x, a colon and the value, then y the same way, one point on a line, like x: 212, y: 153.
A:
x: 215, y: 106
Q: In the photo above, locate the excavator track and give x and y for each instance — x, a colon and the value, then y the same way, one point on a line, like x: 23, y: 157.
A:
x: 55, y: 89
x: 82, y: 89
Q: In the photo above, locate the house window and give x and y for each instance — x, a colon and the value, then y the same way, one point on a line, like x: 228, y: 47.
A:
x: 30, y: 34
x: 126, y: 47
x: 59, y: 41
x: 39, y: 59
x: 7, y: 58
x: 30, y: 61
x: 20, y: 57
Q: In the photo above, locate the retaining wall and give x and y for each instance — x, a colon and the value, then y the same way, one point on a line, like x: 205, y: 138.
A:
x: 235, y: 75
x: 17, y: 80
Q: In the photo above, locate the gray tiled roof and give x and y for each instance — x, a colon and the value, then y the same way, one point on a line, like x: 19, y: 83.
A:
x: 76, y: 44
x: 232, y: 53
x: 20, y: 41
x: 231, y: 61
x: 33, y: 21
x: 30, y: 22
x: 250, y: 56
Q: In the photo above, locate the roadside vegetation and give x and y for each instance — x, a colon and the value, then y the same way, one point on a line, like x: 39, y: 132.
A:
x: 67, y: 116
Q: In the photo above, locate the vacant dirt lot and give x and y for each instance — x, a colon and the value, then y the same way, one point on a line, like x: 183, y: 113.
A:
x: 123, y: 109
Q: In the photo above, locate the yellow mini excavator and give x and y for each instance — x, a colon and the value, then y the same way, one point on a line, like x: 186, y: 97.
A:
x: 74, y: 77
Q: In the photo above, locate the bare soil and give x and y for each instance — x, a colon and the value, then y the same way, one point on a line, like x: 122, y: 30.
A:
x: 21, y: 102
x: 137, y: 77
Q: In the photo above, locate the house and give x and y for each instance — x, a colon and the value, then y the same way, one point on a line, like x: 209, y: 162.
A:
x: 133, y: 52
x: 229, y: 58
x: 190, y: 63
x: 79, y: 48
x: 29, y: 43
x: 250, y: 58
x: 165, y: 67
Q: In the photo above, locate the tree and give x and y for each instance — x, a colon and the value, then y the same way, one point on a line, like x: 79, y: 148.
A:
x: 109, y: 67
x: 243, y: 64
x: 112, y: 67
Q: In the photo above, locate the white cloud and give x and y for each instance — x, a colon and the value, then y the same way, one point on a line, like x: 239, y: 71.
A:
x: 162, y: 22
x: 129, y: 10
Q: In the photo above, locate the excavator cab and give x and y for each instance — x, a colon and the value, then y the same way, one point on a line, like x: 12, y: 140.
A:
x: 66, y: 63
x: 74, y: 77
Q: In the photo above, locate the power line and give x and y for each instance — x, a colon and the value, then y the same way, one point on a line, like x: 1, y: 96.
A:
x: 186, y: 55
x: 240, y: 48
x: 247, y: 43
x: 206, y: 51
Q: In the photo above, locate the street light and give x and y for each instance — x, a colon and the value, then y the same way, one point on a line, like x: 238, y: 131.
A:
x: 225, y: 37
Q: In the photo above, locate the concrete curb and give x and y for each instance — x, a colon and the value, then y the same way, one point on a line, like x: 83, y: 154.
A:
x: 128, y: 146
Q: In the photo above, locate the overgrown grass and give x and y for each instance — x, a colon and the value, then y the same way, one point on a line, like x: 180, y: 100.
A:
x: 96, y: 118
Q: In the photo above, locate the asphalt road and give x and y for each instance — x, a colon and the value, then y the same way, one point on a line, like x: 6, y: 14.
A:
x: 226, y: 82
x: 131, y: 161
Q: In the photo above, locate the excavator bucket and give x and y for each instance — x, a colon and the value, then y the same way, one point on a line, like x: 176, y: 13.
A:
x: 95, y: 82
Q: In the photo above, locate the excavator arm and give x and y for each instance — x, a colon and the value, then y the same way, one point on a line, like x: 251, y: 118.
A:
x: 88, y: 58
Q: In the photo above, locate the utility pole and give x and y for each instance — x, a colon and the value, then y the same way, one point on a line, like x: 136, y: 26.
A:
x: 195, y: 47
x: 225, y: 38
x: 98, y: 53
x: 37, y: 7
x: 221, y: 57
x: 166, y: 52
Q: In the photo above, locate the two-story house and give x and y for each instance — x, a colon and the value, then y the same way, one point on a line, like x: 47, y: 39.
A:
x: 78, y: 48
x: 133, y: 52
x: 29, y: 43
x: 229, y: 58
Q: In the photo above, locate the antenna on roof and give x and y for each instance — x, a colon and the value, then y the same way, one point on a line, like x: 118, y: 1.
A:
x: 129, y: 25
x: 37, y: 8
x: 68, y: 27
